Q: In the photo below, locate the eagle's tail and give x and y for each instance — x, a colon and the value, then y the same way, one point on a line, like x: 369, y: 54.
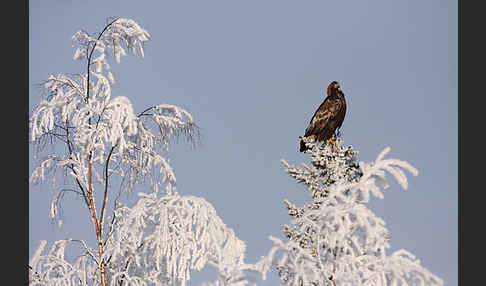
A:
x: 303, y: 147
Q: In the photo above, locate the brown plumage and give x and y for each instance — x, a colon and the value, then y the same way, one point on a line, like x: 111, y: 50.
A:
x: 328, y: 117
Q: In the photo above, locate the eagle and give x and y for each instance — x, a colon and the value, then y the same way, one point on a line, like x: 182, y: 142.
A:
x: 327, y: 118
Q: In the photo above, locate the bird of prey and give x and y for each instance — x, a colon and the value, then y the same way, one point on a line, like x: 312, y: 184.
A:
x: 327, y: 118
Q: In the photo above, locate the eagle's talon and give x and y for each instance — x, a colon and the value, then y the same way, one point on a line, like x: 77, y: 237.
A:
x: 331, y: 140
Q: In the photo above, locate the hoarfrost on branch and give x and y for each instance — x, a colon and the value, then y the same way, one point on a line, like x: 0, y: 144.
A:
x: 80, y: 112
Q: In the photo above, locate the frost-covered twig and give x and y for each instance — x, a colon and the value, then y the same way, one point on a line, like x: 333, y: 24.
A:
x: 177, y: 234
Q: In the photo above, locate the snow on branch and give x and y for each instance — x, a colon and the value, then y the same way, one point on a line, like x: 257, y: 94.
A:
x: 80, y: 113
x: 118, y: 36
x: 158, y: 241
x: 401, y: 266
x: 53, y: 269
x: 359, y: 180
x: 163, y: 238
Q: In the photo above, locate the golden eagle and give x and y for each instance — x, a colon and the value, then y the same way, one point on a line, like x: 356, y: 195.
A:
x: 327, y: 118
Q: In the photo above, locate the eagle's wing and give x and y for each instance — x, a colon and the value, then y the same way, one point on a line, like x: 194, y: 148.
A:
x: 342, y: 111
x: 326, y: 112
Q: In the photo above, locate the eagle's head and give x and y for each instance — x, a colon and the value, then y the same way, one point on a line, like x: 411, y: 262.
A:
x: 333, y: 86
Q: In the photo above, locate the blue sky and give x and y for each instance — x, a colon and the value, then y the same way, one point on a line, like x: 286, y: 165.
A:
x: 250, y: 72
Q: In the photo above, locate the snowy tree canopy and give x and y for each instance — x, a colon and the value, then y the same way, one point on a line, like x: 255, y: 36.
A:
x: 336, y: 239
x: 97, y: 128
x: 156, y: 242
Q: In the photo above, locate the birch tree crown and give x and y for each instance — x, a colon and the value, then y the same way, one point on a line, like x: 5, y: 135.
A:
x: 80, y: 112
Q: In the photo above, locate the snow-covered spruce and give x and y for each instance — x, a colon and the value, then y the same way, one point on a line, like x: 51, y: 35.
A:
x: 336, y: 239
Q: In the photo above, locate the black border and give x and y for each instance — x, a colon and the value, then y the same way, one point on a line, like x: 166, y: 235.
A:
x: 471, y: 66
x: 15, y: 146
x: 22, y: 253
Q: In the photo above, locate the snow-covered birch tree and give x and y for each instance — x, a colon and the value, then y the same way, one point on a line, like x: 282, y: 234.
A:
x: 99, y: 141
x: 336, y: 239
